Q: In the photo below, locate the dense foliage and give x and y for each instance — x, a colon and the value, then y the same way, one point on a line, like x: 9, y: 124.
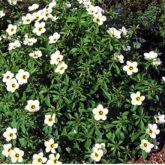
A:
x: 100, y: 64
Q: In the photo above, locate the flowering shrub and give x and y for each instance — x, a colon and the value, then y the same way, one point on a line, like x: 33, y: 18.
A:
x: 75, y: 88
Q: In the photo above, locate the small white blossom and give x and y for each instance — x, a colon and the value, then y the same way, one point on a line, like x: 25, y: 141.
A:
x: 146, y: 146
x: 16, y: 155
x: 36, y: 54
x: 12, y: 85
x: 137, y: 99
x: 49, y: 120
x: 54, y: 159
x: 151, y: 55
x: 160, y: 119
x: 100, y: 113
x: 56, y: 58
x: 54, y: 38
x: 29, y: 41
x: 131, y: 67
x: 96, y: 154
x: 32, y: 106
x: 22, y: 76
x: 14, y: 45
x: 152, y: 130
x: 61, y: 67
x: 7, y: 76
x: 39, y: 28
x: 114, y: 33
x: 51, y: 146
x: 33, y: 7
x: 11, y: 29
x: 156, y: 62
x: 39, y: 158
x: 6, y: 149
x: 99, y: 19
x: 27, y: 19
x: 10, y: 134
x: 119, y: 57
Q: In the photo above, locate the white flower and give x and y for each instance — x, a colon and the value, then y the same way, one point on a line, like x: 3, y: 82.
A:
x: 156, y: 62
x: 100, y: 112
x: 100, y: 146
x: 146, y: 146
x: 119, y: 57
x: 16, y: 155
x: 6, y: 149
x: 136, y: 98
x: 38, y: 15
x: 14, y: 45
x: 39, y: 158
x: 151, y: 55
x: 11, y: 29
x: 7, y: 76
x: 32, y: 105
x: 33, y: 7
x: 131, y: 67
x: 52, y: 4
x: 61, y: 67
x: 49, y: 120
x: 46, y: 13
x: 124, y: 31
x: 12, y: 2
x: 56, y: 58
x: 39, y: 28
x: 29, y: 41
x: 27, y: 19
x: 114, y: 33
x: 160, y: 119
x: 54, y: 159
x: 152, y: 130
x: 96, y: 154
x: 163, y: 78
x: 2, y: 14
x: 12, y: 85
x: 51, y: 146
x: 10, y: 134
x: 99, y: 19
x: 22, y: 76
x: 36, y: 54
x: 54, y: 38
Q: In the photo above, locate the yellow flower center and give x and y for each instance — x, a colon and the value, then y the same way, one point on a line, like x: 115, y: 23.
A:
x: 13, y: 85
x: 52, y: 145
x: 130, y: 67
x: 39, y: 160
x: 138, y: 98
x: 62, y: 68
x: 50, y: 119
x: 17, y: 155
x: 55, y: 161
x: 96, y: 154
x: 150, y: 131
x: 11, y: 134
x: 40, y: 29
x: 33, y: 107
x: 100, y: 112
x: 145, y: 144
x: 12, y: 29
x: 24, y: 77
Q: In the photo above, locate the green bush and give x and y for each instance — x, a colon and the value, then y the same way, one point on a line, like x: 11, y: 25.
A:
x: 93, y: 74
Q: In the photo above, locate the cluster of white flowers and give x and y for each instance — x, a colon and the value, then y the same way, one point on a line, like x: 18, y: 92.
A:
x: 98, y: 151
x: 153, y: 57
x: 56, y: 58
x: 95, y: 11
x: 13, y: 83
x: 114, y: 33
x: 2, y: 14
x: 53, y: 157
x: 100, y: 113
x: 15, y: 154
x: 152, y: 131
